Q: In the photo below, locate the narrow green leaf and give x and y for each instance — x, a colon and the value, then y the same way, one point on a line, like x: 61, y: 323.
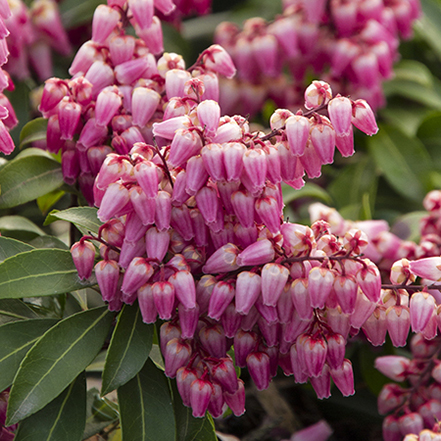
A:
x: 48, y: 200
x: 75, y: 13
x: 427, y: 96
x: 310, y: 190
x: 56, y: 360
x: 146, y: 408
x: 129, y: 349
x: 15, y: 309
x: 39, y: 273
x: 94, y: 424
x: 84, y: 218
x: 10, y: 247
x: 404, y: 162
x: 17, y: 338
x: 62, y: 419
x: 25, y: 179
x: 413, y: 70
x: 428, y: 27
x: 189, y: 428
x: 19, y: 223
x: 48, y: 242
x: 34, y: 130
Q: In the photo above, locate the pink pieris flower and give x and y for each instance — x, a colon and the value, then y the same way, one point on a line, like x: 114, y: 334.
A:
x: 175, y: 80
x: 217, y: 59
x: 323, y: 140
x: 144, y: 104
x: 393, y: 366
x: 208, y: 112
x: 363, y: 117
x: 258, y: 364
x: 297, y: 130
x: 83, y: 256
x: 398, y: 324
x: 427, y: 268
x: 200, y: 395
x: 6, y: 143
x: 104, y: 21
x: 340, y: 114
x: 317, y: 94
x: 320, y: 431
x: 107, y: 105
x: 69, y: 113
x: 274, y: 278
x: 176, y: 355
x: 152, y: 36
x: 236, y: 401
x: 258, y: 253
x: 422, y: 305
x: 107, y: 276
x: 137, y: 274
x: 142, y: 11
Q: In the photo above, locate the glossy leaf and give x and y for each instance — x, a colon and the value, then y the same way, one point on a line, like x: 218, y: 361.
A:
x: 62, y: 419
x: 310, y: 190
x: 19, y: 223
x: 47, y: 201
x: 189, y: 428
x: 10, y: 247
x: 94, y: 408
x: 403, y: 161
x: 84, y: 218
x: 34, y: 130
x: 17, y: 338
x: 39, y: 273
x: 75, y: 13
x: 428, y: 27
x: 25, y: 179
x: 56, y: 360
x: 429, y: 132
x: 145, y: 406
x: 15, y: 309
x: 129, y: 349
x: 48, y: 242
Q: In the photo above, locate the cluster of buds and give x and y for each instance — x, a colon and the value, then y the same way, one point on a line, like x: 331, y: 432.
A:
x: 34, y: 31
x: 352, y: 44
x: 193, y: 230
x: 414, y: 407
x: 118, y: 90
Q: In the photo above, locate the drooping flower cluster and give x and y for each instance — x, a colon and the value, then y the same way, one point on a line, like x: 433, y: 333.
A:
x: 193, y: 230
x: 6, y: 433
x: 34, y: 31
x: 351, y: 44
x: 118, y: 90
x: 415, y: 407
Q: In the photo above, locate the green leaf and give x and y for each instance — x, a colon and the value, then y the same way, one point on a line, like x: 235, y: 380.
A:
x: 309, y: 190
x: 48, y: 242
x: 10, y: 247
x: 34, y: 130
x: 146, y: 407
x: 77, y: 12
x: 372, y: 377
x: 429, y: 132
x: 94, y: 422
x: 39, y: 273
x: 62, y: 419
x: 19, y: 223
x: 25, y: 179
x: 403, y: 161
x: 17, y: 338
x: 56, y: 360
x: 428, y: 27
x: 407, y: 227
x: 48, y: 200
x: 412, y: 70
x: 129, y: 349
x: 189, y: 428
x: 84, y: 218
x: 14, y: 309
x: 427, y: 96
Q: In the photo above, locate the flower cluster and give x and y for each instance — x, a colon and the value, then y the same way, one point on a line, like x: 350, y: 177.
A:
x: 34, y: 31
x: 351, y: 44
x: 6, y: 433
x: 118, y: 90
x: 193, y: 230
x: 413, y: 408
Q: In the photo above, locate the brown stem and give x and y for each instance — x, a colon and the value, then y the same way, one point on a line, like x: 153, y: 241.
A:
x: 164, y: 162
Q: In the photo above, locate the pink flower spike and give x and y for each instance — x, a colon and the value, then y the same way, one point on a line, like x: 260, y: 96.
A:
x: 157, y: 243
x: 393, y: 366
x: 323, y: 140
x: 175, y: 80
x: 152, y: 36
x: 69, y: 113
x: 137, y: 274
x: 274, y: 278
x: 320, y: 282
x: 248, y: 288
x: 222, y: 260
x: 183, y: 282
x: 217, y: 59
x: 422, y: 305
x: 398, y: 324
x: 297, y: 131
x: 363, y: 117
x: 258, y: 253
x: 208, y: 112
x: 222, y: 295
x: 147, y: 305
x: 344, y: 378
x: 236, y: 401
x: 6, y: 143
x: 107, y: 276
x: 164, y: 298
x: 104, y: 21
x: 340, y: 114
x: 427, y: 268
x: 258, y: 364
x: 142, y: 11
x: 83, y: 256
x: 144, y: 104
